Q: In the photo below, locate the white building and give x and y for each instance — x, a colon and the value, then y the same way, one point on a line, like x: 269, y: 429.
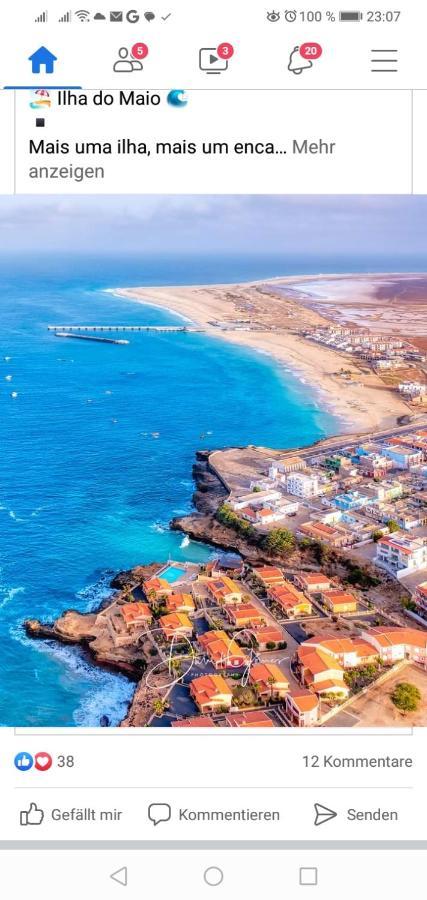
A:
x: 300, y: 484
x: 256, y: 498
x: 401, y: 555
x: 285, y: 466
x: 403, y: 457
x: 394, y: 644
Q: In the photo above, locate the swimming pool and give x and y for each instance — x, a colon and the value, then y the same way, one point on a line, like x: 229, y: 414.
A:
x: 172, y: 573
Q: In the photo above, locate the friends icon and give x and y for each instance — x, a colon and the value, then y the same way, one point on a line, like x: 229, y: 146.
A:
x: 130, y: 60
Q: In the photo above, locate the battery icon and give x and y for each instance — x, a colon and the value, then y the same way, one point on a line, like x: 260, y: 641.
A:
x: 350, y: 16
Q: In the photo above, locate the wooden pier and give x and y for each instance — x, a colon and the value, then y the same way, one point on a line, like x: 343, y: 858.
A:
x: 185, y: 329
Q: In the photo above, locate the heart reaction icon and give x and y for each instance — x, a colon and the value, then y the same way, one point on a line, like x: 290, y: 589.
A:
x: 43, y: 761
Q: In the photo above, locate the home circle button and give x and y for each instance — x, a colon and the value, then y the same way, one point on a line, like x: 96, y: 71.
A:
x: 213, y: 876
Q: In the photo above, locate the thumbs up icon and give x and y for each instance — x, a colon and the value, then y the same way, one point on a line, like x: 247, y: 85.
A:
x: 31, y: 816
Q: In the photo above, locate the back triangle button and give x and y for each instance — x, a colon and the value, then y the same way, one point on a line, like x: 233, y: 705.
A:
x: 121, y: 876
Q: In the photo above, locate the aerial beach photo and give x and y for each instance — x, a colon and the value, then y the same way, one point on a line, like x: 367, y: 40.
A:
x: 213, y: 479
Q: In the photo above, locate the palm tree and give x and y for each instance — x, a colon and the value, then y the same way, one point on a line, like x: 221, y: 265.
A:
x: 158, y: 706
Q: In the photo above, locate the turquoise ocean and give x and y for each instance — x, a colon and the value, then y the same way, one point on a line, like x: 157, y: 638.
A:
x: 86, y: 489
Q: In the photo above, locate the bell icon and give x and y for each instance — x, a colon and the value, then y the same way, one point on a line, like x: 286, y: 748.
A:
x: 297, y: 63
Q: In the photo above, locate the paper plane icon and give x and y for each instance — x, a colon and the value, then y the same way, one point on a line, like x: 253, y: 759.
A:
x: 323, y: 814
x: 121, y: 876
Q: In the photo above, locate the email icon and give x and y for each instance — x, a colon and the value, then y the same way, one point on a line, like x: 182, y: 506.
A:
x: 116, y: 16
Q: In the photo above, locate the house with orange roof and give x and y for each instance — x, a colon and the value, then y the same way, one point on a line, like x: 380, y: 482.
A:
x: 176, y: 625
x: 338, y: 602
x: 211, y: 693
x: 267, y: 635
x: 335, y: 536
x: 251, y: 718
x: 268, y: 575
x: 269, y: 680
x: 366, y: 653
x: 312, y: 583
x: 342, y: 648
x: 249, y: 514
x: 243, y: 614
x: 394, y: 644
x: 222, y: 650
x: 290, y: 600
x: 302, y: 708
x: 136, y: 614
x: 180, y: 603
x: 224, y: 590
x: 194, y: 722
x: 156, y: 587
x: 320, y: 671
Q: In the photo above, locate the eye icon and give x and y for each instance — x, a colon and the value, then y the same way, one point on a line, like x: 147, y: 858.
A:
x: 273, y: 16
x: 177, y: 98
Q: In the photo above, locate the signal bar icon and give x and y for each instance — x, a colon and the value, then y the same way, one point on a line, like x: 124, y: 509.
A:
x: 42, y: 17
x: 66, y: 17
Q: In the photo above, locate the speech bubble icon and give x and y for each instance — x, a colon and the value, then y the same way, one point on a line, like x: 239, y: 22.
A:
x: 159, y: 812
x: 149, y: 16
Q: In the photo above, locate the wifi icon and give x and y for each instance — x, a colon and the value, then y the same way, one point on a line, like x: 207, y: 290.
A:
x: 82, y: 15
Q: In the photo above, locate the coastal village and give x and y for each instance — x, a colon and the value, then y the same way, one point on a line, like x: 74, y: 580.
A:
x: 312, y: 610
x: 398, y: 362
x: 313, y: 614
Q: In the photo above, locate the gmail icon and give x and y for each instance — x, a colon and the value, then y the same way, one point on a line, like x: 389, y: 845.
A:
x: 116, y: 16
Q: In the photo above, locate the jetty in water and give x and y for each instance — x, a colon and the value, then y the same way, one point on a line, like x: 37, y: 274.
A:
x: 185, y: 329
x: 89, y: 337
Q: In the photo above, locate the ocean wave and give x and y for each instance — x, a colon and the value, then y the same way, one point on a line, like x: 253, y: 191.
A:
x: 14, y: 516
x: 158, y: 527
x: 185, y: 541
x: 8, y: 594
x: 108, y: 694
x: 36, y: 512
x: 110, y: 698
x: 93, y: 594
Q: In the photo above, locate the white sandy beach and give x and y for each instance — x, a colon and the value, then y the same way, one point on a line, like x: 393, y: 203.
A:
x: 363, y: 403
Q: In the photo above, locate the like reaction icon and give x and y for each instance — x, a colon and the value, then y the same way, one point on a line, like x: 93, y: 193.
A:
x: 31, y: 816
x: 23, y: 762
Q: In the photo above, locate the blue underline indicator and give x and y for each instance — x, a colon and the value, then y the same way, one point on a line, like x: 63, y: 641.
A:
x: 47, y: 87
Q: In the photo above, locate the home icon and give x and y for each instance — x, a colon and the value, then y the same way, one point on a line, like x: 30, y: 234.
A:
x: 42, y: 57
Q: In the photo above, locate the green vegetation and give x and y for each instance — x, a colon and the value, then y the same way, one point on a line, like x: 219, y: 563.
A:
x: 245, y: 696
x: 406, y: 697
x: 227, y: 517
x: 409, y: 604
x: 359, y: 576
x: 279, y: 541
x: 376, y: 535
x: 321, y: 552
x: 360, y: 677
x: 159, y: 706
x: 392, y: 525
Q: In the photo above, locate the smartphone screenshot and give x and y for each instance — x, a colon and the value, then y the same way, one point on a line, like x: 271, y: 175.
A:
x: 213, y: 450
